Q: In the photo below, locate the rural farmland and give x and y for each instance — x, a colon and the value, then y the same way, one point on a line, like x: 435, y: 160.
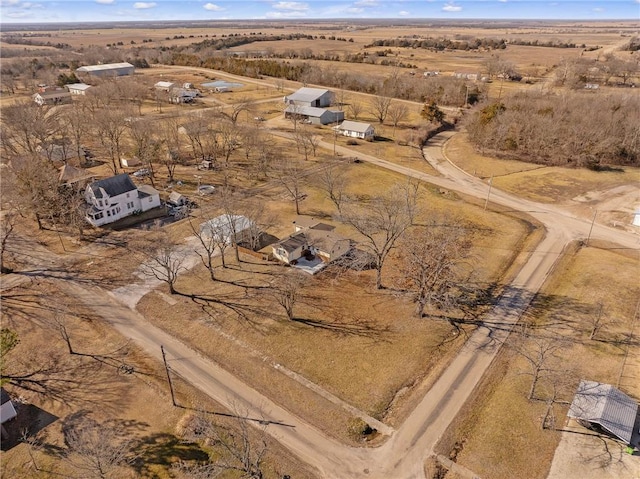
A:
x: 320, y: 248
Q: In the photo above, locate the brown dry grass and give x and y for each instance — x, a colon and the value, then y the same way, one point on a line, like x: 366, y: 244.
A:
x: 138, y: 403
x: 351, y: 340
x: 536, y: 182
x: 501, y: 431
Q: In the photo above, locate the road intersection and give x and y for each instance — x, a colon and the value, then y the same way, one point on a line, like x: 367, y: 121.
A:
x: 403, y: 454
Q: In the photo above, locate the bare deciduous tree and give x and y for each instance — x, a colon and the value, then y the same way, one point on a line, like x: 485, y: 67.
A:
x: 288, y: 291
x: 307, y: 141
x: 7, y: 224
x: 397, y: 113
x: 431, y: 266
x: 541, y: 355
x: 207, y: 239
x: 290, y: 175
x: 145, y: 146
x: 164, y: 259
x: 36, y: 185
x: 98, y: 450
x: 383, y: 221
x: 379, y: 105
x: 110, y: 127
x: 355, y: 109
x: 333, y: 181
x: 239, y: 450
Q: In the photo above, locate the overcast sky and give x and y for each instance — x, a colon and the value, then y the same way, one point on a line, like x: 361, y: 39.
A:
x: 17, y: 11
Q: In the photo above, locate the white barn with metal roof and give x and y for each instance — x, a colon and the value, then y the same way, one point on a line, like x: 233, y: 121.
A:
x: 313, y: 97
x: 108, y: 69
x: 606, y: 406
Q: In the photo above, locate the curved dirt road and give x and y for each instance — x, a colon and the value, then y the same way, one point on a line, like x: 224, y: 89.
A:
x: 403, y: 455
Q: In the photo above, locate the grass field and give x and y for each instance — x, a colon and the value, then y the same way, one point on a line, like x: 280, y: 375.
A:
x: 362, y: 345
x: 536, y: 182
x: 501, y: 434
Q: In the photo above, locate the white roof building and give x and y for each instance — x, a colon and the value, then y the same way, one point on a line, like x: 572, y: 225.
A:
x: 108, y: 69
x: 356, y: 129
x: 164, y: 85
x: 78, y: 88
x: 225, y: 227
x: 313, y: 97
x: 606, y: 406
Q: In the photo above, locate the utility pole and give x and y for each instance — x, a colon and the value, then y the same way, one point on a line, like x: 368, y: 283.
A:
x: 489, y: 193
x: 166, y: 367
x: 591, y: 229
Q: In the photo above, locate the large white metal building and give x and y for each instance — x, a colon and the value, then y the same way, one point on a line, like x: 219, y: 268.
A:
x: 108, y: 69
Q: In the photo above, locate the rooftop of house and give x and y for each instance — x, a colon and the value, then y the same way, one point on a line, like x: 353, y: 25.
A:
x: 354, y: 126
x: 303, y: 222
x: 293, y: 242
x: 53, y: 93
x: 146, y: 190
x: 164, y: 84
x: 113, y: 186
x: 71, y: 174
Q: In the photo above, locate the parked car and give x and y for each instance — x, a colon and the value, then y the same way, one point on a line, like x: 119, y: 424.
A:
x: 141, y: 172
x: 206, y: 189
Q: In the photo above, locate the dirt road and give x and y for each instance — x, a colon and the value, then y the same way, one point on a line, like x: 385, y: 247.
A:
x: 403, y: 455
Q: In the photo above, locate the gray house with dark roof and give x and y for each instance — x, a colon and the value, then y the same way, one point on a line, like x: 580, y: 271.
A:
x: 117, y: 197
x: 605, y: 406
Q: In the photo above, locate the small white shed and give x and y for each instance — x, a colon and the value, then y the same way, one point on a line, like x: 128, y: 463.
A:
x: 130, y: 162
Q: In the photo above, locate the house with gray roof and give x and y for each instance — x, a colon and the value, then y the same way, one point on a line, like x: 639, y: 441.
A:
x: 117, y: 197
x: 311, y: 238
x: 313, y: 97
x: 597, y: 405
x: 357, y: 129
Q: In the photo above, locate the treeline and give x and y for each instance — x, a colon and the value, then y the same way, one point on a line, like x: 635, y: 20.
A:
x: 19, y: 40
x: 548, y: 43
x: 440, y: 44
x: 238, y: 66
x: 443, y: 90
x: 237, y: 40
x: 568, y: 129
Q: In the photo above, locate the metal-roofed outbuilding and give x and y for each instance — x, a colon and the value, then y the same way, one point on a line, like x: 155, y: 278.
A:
x: 606, y: 406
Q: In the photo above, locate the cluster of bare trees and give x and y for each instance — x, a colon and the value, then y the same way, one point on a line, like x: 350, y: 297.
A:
x: 576, y: 72
x: 568, y: 128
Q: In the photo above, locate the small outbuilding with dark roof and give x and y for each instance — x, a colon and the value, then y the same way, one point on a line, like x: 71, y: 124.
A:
x: 604, y: 406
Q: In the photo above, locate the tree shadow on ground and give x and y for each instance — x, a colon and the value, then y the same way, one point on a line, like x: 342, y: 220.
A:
x: 161, y: 450
x: 539, y: 313
x: 364, y: 329
x: 231, y: 302
x: 29, y: 422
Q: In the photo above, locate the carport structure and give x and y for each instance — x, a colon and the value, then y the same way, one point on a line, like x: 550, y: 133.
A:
x: 606, y: 406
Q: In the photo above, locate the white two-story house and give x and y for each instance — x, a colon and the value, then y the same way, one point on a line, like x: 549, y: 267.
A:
x: 117, y: 197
